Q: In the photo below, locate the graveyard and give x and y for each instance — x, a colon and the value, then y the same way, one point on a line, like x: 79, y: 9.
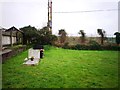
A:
x: 63, y: 68
x: 73, y: 46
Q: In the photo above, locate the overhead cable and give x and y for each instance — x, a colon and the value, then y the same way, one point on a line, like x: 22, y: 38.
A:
x: 88, y: 11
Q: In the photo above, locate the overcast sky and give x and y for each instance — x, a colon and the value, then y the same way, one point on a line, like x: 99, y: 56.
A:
x: 20, y: 13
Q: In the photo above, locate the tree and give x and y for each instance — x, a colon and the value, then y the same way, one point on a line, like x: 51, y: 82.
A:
x: 45, y: 36
x: 102, y: 34
x: 30, y: 34
x: 62, y: 34
x: 117, y: 37
x: 82, y: 33
x: 53, y: 39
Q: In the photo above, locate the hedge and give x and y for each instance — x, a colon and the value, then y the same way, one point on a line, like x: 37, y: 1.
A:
x: 91, y: 47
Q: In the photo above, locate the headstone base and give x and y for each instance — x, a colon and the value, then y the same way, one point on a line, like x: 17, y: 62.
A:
x: 34, y: 62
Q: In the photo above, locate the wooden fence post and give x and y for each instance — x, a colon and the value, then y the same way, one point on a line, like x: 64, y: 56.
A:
x: 0, y: 40
x: 0, y: 59
x: 0, y: 46
x: 11, y: 43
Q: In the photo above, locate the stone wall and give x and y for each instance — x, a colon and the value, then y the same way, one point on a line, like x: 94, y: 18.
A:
x: 11, y: 53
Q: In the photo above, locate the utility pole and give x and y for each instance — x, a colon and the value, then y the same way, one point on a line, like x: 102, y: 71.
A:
x: 119, y: 16
x: 50, y: 15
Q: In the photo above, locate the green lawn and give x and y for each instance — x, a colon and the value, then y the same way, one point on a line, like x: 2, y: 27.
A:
x: 62, y: 68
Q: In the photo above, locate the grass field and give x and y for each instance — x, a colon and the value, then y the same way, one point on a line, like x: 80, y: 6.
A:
x: 62, y: 68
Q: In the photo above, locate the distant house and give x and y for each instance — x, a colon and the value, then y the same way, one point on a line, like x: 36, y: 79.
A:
x: 10, y: 36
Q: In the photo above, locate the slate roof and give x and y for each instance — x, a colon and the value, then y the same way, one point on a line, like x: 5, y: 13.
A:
x: 13, y: 29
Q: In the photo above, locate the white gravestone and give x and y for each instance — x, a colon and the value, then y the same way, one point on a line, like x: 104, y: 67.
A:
x: 32, y: 53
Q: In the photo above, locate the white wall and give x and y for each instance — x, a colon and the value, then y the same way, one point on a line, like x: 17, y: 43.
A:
x: 6, y: 40
x: 13, y: 40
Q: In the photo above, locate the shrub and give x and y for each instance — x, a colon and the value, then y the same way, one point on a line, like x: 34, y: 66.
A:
x: 78, y: 47
x: 93, y: 42
x: 16, y: 47
x: 57, y: 44
x: 47, y: 47
x: 66, y: 46
x: 93, y: 45
x: 110, y: 47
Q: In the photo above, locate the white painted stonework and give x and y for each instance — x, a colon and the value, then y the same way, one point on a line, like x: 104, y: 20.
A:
x: 29, y: 62
x: 32, y: 53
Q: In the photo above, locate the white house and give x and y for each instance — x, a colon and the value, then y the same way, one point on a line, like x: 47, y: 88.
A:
x: 10, y: 36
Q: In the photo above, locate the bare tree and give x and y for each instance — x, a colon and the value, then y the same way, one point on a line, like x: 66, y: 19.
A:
x: 117, y: 37
x: 102, y: 34
x: 82, y: 33
x: 62, y: 34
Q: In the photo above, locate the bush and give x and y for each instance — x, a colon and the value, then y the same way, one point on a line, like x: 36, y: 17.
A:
x: 87, y: 47
x: 66, y: 46
x: 16, y: 47
x: 57, y: 44
x: 93, y: 45
x: 92, y: 42
x: 80, y: 47
x: 77, y: 47
x: 47, y: 47
x: 110, y: 47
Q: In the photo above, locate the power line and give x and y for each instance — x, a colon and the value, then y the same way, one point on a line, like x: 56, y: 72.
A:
x: 88, y: 11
